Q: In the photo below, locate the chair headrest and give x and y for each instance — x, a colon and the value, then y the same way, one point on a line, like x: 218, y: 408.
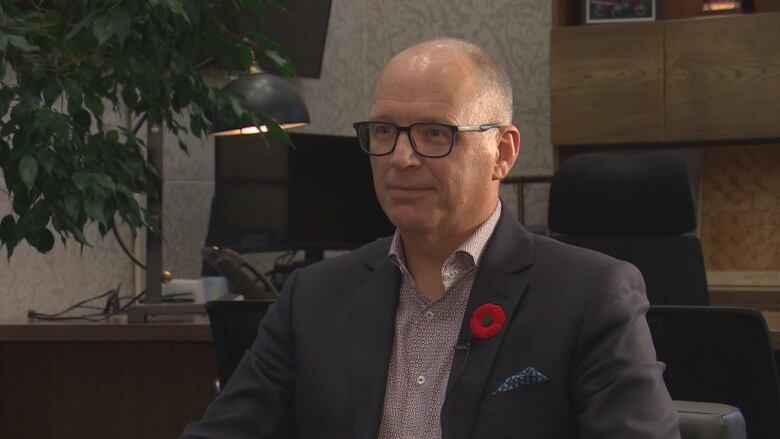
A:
x: 620, y: 195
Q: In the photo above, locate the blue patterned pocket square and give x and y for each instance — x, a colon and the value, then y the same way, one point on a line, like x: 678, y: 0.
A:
x: 526, y: 377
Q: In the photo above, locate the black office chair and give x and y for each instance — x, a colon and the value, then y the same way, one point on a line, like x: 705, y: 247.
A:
x: 638, y: 209
x: 722, y: 355
x: 234, y: 327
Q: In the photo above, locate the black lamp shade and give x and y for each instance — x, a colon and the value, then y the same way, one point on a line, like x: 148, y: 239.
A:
x: 267, y: 95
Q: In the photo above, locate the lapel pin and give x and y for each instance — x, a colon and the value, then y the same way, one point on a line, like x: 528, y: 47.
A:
x: 487, y: 321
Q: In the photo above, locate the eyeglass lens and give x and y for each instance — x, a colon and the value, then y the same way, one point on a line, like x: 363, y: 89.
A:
x: 429, y: 139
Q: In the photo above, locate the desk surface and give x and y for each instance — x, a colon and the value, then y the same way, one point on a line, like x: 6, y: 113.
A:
x: 168, y: 328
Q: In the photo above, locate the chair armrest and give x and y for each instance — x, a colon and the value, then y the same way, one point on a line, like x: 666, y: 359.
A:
x: 705, y: 420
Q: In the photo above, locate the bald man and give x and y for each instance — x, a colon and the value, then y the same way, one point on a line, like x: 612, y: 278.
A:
x: 462, y: 324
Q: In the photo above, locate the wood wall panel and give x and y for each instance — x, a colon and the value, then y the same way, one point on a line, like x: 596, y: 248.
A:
x: 723, y: 78
x: 740, y: 210
x: 607, y: 83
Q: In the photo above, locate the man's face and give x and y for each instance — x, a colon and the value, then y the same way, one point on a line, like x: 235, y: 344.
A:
x: 447, y: 195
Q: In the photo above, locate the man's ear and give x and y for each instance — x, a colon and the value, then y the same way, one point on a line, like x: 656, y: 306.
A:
x: 508, y: 148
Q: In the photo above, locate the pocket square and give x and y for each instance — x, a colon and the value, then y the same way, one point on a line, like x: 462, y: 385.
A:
x: 525, y: 377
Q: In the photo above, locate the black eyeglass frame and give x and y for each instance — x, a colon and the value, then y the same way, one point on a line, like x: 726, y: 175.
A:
x: 408, y: 130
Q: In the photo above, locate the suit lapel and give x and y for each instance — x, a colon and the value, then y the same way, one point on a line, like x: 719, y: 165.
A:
x: 501, y: 279
x: 375, y: 300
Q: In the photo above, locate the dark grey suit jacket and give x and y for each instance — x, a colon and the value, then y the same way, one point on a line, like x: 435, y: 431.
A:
x: 319, y: 364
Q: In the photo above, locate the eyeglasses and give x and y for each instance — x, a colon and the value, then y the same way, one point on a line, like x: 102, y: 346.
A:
x: 431, y: 140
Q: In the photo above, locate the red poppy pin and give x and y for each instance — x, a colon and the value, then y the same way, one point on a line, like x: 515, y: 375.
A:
x: 487, y: 320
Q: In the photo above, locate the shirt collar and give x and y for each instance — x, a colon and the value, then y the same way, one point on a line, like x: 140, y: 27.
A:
x: 471, y: 249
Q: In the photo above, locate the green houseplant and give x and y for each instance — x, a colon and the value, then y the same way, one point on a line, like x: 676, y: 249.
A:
x: 71, y: 62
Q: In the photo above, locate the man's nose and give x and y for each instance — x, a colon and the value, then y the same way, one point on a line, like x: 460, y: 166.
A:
x: 403, y: 155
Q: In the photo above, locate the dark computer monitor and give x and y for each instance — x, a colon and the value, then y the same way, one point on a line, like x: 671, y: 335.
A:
x: 314, y: 196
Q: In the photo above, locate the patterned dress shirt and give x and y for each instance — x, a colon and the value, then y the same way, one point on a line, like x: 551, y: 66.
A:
x: 425, y: 337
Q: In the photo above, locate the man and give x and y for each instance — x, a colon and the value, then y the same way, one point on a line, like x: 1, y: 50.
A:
x: 463, y: 325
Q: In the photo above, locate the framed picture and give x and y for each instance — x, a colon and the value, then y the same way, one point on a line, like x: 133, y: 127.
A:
x: 611, y: 11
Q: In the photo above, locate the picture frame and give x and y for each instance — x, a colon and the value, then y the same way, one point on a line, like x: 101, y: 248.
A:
x: 614, y: 11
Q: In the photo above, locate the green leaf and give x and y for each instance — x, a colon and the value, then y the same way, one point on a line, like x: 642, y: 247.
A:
x: 21, y: 202
x: 21, y: 43
x: 80, y: 25
x: 73, y: 205
x: 245, y: 56
x: 105, y: 181
x: 196, y: 126
x: 6, y: 96
x: 80, y: 238
x: 151, y: 221
x: 75, y: 95
x: 183, y: 147
x: 256, y: 6
x: 47, y: 159
x: 8, y: 235
x: 94, y: 210
x: 182, y: 91
x: 44, y: 119
x: 103, y: 29
x: 236, y: 104
x: 129, y: 96
x: 95, y: 104
x: 275, y: 52
x: 279, y: 133
x: 121, y: 24
x: 82, y: 120
x: 45, y: 241
x: 28, y: 170
x: 176, y: 7
x: 81, y: 180
x: 52, y: 90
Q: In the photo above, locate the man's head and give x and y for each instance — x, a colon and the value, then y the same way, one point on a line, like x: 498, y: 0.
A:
x: 455, y: 83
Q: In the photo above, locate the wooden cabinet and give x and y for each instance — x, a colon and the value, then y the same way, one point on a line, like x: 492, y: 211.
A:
x: 104, y: 380
x: 667, y: 82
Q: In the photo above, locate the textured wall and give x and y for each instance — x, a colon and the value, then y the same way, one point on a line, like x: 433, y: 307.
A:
x: 740, y: 209
x: 362, y: 36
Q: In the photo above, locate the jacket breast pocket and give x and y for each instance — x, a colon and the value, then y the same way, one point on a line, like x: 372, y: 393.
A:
x: 531, y: 411
x: 524, y: 396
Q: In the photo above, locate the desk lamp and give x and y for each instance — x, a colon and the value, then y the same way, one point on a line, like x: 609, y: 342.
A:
x: 265, y: 95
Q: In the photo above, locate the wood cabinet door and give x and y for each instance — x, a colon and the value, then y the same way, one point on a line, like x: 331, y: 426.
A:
x: 723, y: 78
x: 607, y: 84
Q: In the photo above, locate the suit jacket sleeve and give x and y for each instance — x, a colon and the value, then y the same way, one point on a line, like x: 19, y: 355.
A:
x: 258, y: 399
x: 619, y: 390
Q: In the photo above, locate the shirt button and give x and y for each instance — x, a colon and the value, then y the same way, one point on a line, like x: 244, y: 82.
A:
x: 420, y: 379
x: 429, y: 315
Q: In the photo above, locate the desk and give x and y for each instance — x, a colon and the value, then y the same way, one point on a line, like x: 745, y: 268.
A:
x: 104, y: 380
